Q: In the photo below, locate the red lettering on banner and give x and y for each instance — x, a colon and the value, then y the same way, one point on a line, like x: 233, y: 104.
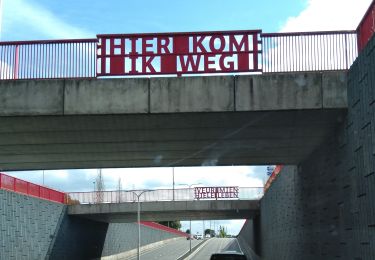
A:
x: 198, y: 43
x: 180, y: 45
x: 163, y: 43
x: 133, y: 46
x: 215, y: 192
x: 133, y: 69
x: 147, y: 64
x: 117, y: 66
x: 146, y: 44
x: 208, y: 61
x: 234, y: 45
x: 243, y: 61
x: 222, y: 43
x: 179, y: 53
x: 168, y: 64
x: 190, y: 61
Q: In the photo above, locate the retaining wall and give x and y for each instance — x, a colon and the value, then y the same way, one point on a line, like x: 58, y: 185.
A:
x: 32, y: 228
x: 27, y: 225
x: 325, y: 207
x: 247, y: 238
x: 122, y: 237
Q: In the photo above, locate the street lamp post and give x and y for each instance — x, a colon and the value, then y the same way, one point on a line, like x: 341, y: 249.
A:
x: 190, y: 185
x: 138, y: 195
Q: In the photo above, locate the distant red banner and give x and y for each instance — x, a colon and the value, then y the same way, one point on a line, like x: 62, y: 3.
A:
x: 178, y: 53
x: 216, y: 192
x: 366, y: 28
x: 273, y: 176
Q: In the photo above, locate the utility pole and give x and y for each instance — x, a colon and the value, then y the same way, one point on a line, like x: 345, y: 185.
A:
x: 99, y: 187
x: 173, y: 182
x: 119, y: 188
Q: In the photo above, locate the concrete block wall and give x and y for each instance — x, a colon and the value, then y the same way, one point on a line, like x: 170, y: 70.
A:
x: 35, y: 229
x: 280, y: 230
x: 122, y: 237
x: 27, y: 225
x: 325, y: 207
x: 247, y: 238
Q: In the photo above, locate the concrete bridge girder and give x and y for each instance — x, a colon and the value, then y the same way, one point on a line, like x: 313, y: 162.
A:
x: 167, y: 210
x: 188, y: 121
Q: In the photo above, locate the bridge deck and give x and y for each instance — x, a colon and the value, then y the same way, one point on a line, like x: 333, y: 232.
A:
x: 155, y: 122
x: 167, y: 210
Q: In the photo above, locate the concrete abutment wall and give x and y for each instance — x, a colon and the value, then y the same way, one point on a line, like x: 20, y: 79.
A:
x: 32, y: 228
x: 324, y: 208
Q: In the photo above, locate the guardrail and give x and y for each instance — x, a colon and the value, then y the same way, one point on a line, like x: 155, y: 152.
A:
x: 308, y: 51
x: 248, y: 193
x: 24, y: 187
x: 273, y: 177
x: 48, y: 59
x: 178, y: 54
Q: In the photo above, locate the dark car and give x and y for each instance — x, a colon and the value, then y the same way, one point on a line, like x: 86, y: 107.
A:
x: 229, y: 255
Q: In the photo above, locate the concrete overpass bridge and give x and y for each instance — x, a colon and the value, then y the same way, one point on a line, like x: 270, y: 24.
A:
x: 199, y: 203
x: 68, y: 113
x: 167, y: 210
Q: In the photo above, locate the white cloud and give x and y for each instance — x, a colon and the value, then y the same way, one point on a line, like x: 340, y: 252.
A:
x: 328, y: 15
x: 21, y: 16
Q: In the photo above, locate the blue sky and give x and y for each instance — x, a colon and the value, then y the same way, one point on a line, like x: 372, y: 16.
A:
x: 86, y: 18
x: 52, y: 19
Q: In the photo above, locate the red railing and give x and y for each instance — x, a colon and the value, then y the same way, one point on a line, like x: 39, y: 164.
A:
x: 48, y: 59
x: 273, y: 176
x: 308, y: 51
x: 366, y: 27
x: 248, y: 193
x: 178, y: 54
x: 20, y: 186
x: 163, y: 228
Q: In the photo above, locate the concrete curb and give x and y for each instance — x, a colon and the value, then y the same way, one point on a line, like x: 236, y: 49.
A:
x: 193, y: 249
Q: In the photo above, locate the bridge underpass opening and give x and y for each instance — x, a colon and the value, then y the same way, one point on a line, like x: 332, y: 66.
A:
x: 80, y: 184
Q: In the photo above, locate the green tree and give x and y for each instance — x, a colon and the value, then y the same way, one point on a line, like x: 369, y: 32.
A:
x: 188, y: 231
x: 222, y: 231
x: 176, y: 224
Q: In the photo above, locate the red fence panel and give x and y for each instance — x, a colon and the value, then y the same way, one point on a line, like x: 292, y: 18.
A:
x: 273, y: 176
x: 178, y: 53
x: 34, y: 189
x: 7, y: 182
x: 21, y: 186
x: 366, y: 27
x: 28, y: 188
x: 183, y: 53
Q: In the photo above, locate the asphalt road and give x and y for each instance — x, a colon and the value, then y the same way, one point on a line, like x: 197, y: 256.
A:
x: 169, y: 251
x: 215, y: 245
